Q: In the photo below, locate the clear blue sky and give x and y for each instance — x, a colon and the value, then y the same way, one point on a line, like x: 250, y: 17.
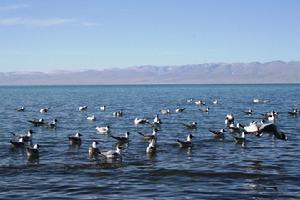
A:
x: 93, y: 34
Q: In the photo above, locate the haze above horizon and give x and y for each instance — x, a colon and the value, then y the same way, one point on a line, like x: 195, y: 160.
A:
x: 80, y: 35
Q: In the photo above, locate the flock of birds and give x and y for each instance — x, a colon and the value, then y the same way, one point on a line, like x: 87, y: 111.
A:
x: 237, y: 130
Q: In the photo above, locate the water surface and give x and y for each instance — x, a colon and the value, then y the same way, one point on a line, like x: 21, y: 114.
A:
x: 264, y: 168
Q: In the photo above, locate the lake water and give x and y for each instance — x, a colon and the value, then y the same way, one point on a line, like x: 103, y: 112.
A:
x: 265, y: 168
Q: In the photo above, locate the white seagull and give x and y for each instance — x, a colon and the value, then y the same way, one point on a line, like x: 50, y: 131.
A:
x: 103, y: 129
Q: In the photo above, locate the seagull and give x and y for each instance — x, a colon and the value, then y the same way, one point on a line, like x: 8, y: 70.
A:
x: 151, y: 147
x: 268, y: 114
x: 248, y: 112
x: 240, y: 140
x: 252, y: 128
x: 51, y: 124
x: 140, y: 121
x: 75, y: 139
x: 118, y: 114
x: 102, y: 108
x: 190, y: 100
x: 272, y: 129
x: 218, y: 134
x: 91, y: 118
x: 271, y: 118
x: 19, y: 143
x: 229, y: 119
x: 26, y: 137
x: 83, y: 108
x: 156, y: 120
x: 44, y: 110
x: 20, y: 109
x: 187, y: 143
x: 200, y: 102
x: 124, y: 139
x: 165, y: 111
x: 33, y: 152
x: 191, y: 125
x: 215, y: 101
x: 103, y: 129
x: 256, y: 101
x: 149, y: 136
x: 94, y: 150
x: 113, y: 154
x: 234, y: 128
x: 205, y: 109
x: 259, y: 129
x: 36, y: 122
x: 295, y: 111
x: 178, y: 110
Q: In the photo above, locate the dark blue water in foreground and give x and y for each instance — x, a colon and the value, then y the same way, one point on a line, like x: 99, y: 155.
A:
x: 265, y: 168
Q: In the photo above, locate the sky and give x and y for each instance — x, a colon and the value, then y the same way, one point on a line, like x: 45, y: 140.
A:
x: 52, y: 35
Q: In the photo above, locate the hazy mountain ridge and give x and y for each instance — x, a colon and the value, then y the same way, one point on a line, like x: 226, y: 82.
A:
x: 254, y: 72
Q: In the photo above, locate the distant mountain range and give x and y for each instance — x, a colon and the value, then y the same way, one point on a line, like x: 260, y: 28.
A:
x: 254, y: 72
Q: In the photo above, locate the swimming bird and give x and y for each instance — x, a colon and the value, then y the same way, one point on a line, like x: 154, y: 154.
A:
x: 26, y: 137
x: 140, y: 121
x: 178, y: 110
x: 229, y: 119
x: 270, y: 116
x: 51, y: 124
x: 94, y: 150
x: 151, y: 148
x: 191, y: 125
x: 256, y: 101
x: 205, y: 109
x: 36, y: 122
x: 156, y: 120
x: 33, y: 152
x: 102, y: 108
x: 218, y: 134
x: 44, y: 110
x: 20, y: 109
x: 123, y: 139
x: 103, y: 129
x: 82, y: 108
x: 149, y: 136
x: 118, y: 114
x: 248, y: 112
x: 200, y: 102
x: 190, y: 100
x: 187, y: 143
x: 241, y: 139
x: 75, y: 139
x: 215, y: 101
x: 91, y: 118
x: 165, y: 111
x: 295, y: 111
x: 260, y: 100
x: 234, y: 128
x: 113, y: 154
x: 18, y: 143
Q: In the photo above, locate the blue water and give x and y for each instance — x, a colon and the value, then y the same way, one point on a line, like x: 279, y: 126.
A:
x: 265, y: 168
